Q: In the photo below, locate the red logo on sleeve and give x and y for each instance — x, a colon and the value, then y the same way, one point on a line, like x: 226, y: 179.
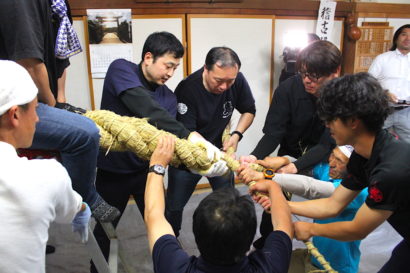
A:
x: 375, y: 194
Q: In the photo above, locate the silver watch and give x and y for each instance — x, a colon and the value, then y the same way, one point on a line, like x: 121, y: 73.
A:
x: 158, y: 169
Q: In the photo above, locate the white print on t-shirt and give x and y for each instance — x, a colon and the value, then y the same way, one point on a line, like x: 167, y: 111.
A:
x: 228, y: 109
x: 182, y: 108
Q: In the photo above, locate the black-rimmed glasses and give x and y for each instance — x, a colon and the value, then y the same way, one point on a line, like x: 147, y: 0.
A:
x: 312, y: 77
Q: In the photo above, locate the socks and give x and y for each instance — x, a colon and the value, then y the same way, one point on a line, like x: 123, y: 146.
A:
x: 104, y: 212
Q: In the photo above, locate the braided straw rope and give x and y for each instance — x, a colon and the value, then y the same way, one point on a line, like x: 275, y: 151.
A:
x: 319, y: 257
x: 121, y: 133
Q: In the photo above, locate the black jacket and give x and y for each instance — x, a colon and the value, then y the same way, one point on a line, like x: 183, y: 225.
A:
x: 293, y: 123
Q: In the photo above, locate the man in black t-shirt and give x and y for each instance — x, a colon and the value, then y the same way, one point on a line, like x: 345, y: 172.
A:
x: 354, y: 108
x: 224, y: 225
x: 206, y: 101
x: 138, y: 90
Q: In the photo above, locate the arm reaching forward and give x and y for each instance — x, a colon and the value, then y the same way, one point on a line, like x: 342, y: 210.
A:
x: 155, y: 221
x: 280, y: 211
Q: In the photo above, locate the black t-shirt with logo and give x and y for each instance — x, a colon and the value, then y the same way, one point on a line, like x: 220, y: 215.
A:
x: 208, y: 113
x: 387, y: 176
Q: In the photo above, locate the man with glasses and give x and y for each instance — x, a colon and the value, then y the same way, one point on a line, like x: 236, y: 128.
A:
x: 292, y: 121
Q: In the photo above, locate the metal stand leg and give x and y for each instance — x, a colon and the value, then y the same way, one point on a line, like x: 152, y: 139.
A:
x: 96, y: 254
x: 116, y: 251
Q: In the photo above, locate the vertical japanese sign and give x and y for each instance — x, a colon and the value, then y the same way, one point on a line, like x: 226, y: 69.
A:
x: 325, y: 19
x: 110, y: 38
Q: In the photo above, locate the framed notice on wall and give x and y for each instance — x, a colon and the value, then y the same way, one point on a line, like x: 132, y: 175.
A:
x: 373, y: 41
x: 110, y: 38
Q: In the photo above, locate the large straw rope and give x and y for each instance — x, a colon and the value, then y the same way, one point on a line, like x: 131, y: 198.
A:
x: 319, y: 257
x: 122, y: 133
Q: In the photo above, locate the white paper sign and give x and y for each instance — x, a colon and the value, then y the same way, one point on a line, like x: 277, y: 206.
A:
x: 325, y: 19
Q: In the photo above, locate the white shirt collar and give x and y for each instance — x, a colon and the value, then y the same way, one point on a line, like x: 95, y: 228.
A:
x: 7, y: 150
x: 398, y: 52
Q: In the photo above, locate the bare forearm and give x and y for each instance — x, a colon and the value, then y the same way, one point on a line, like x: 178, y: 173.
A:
x: 154, y: 196
x: 38, y: 72
x: 154, y: 217
x: 155, y: 221
x: 280, y: 211
x: 317, y: 209
x: 61, y: 87
x: 365, y: 221
x: 341, y: 231
x: 326, y: 207
x: 244, y: 122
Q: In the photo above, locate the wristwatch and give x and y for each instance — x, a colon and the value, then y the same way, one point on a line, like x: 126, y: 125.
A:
x: 269, y: 173
x: 158, y: 169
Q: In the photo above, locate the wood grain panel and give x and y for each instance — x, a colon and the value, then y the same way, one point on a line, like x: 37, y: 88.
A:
x: 272, y: 7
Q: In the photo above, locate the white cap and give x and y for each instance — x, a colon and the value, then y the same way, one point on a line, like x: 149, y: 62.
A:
x: 346, y: 150
x: 16, y: 86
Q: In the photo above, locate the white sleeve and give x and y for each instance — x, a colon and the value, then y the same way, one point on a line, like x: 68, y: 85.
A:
x: 68, y: 202
x: 375, y: 68
x: 304, y: 186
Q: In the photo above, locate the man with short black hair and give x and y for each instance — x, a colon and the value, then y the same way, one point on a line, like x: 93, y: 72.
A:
x: 392, y: 69
x: 206, y: 101
x: 354, y: 108
x: 224, y: 225
x: 138, y: 90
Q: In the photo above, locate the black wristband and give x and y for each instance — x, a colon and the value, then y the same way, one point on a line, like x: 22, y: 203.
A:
x: 238, y: 133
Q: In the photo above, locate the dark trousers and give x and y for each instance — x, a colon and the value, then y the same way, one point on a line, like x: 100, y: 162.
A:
x: 115, y: 189
x: 398, y: 261
x: 181, y: 185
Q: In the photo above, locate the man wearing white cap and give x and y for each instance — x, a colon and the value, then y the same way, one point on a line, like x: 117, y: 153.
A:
x: 344, y: 257
x: 33, y: 193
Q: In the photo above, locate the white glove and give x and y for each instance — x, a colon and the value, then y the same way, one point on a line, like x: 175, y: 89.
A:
x: 212, y: 152
x: 81, y: 221
x: 218, y: 168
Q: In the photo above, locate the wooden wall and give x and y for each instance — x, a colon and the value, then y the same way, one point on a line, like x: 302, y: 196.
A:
x: 262, y: 7
x: 254, y: 7
x: 362, y: 11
